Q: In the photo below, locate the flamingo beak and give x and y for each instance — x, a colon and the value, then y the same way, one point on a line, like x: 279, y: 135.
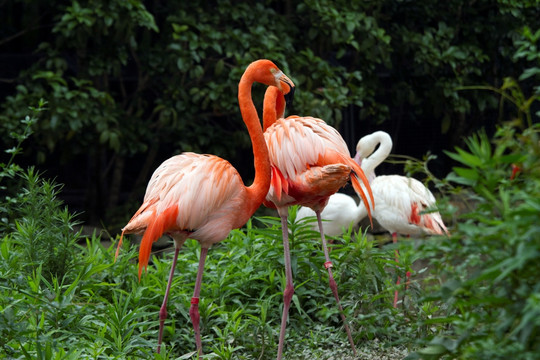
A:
x: 286, y: 86
x: 281, y: 77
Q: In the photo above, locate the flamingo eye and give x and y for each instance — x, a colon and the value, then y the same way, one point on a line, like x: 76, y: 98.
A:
x: 273, y: 71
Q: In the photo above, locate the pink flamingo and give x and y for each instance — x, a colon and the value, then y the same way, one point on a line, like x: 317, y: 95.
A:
x: 310, y: 161
x: 203, y: 197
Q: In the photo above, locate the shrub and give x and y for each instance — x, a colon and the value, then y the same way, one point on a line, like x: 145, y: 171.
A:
x: 489, y: 292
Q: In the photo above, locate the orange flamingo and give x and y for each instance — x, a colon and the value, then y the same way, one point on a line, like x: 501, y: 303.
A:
x: 310, y: 161
x: 203, y: 197
x: 400, y: 200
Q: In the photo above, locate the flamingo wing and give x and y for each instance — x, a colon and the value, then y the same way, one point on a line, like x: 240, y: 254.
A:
x: 400, y: 201
x: 297, y: 143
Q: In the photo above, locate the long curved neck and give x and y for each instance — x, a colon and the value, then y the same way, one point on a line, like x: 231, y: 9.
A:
x: 258, y: 190
x: 372, y: 161
x: 274, y: 106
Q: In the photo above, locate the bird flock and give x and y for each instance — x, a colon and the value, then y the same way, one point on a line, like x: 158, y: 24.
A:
x: 298, y: 160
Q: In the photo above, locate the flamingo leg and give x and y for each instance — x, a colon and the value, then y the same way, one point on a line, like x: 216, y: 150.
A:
x: 394, y: 240
x: 163, y: 309
x: 333, y: 285
x: 194, y: 309
x: 289, y: 288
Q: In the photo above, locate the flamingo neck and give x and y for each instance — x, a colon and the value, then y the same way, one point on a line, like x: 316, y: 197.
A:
x: 274, y: 106
x: 376, y: 158
x: 258, y: 190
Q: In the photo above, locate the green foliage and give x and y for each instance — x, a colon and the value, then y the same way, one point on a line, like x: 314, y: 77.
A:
x: 99, y: 310
x: 488, y: 295
x: 528, y: 50
x: 10, y: 172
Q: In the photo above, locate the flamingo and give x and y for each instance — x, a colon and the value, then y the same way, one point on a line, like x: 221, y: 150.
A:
x: 203, y: 197
x: 310, y: 161
x: 400, y: 200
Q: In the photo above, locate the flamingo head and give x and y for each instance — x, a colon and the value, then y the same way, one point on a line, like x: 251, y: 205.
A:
x: 266, y: 72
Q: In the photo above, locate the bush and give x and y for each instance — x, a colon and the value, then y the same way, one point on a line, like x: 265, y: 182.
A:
x: 489, y: 295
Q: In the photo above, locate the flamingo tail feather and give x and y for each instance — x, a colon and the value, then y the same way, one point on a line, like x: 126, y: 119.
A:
x: 157, y: 226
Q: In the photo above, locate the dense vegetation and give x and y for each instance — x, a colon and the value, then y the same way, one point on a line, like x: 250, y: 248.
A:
x: 118, y: 83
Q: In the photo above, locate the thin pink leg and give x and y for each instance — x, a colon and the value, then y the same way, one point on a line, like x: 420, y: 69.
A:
x: 194, y: 309
x: 394, y: 240
x: 289, y: 288
x: 333, y: 285
x: 163, y: 309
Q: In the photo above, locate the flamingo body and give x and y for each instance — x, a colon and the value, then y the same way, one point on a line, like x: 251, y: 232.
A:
x: 213, y: 206
x: 399, y: 203
x: 399, y: 200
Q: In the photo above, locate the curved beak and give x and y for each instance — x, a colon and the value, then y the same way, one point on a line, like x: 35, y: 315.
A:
x: 287, y: 87
x: 281, y: 77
